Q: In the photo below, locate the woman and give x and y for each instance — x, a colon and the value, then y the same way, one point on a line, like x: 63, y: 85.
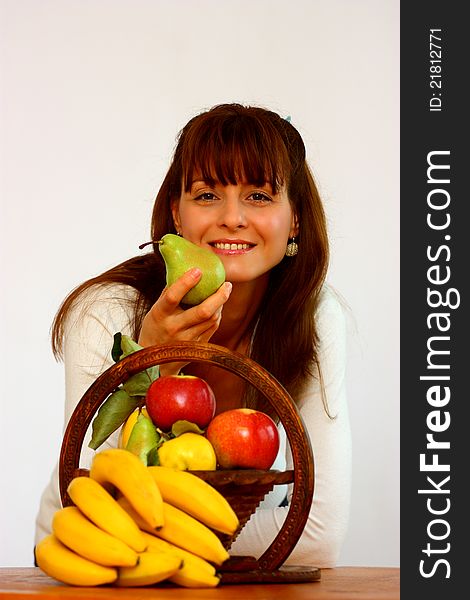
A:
x: 239, y: 185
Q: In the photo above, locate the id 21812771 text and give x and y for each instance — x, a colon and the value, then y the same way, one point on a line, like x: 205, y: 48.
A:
x: 435, y: 70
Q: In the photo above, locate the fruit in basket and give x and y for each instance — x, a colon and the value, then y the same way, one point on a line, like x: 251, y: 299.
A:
x: 129, y: 423
x: 244, y: 438
x: 124, y: 470
x: 63, y: 564
x: 143, y: 438
x: 174, y: 398
x: 180, y: 255
x: 204, y: 503
x: 188, y: 451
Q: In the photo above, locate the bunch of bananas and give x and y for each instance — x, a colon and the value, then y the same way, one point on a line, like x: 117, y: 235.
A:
x: 133, y: 525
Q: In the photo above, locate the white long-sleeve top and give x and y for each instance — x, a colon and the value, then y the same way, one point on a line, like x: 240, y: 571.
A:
x: 87, y: 353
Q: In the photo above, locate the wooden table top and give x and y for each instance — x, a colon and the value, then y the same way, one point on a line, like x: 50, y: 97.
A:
x: 359, y: 583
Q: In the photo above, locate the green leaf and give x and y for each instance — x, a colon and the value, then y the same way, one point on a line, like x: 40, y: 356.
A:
x: 138, y: 384
x: 123, y: 345
x: 128, y: 346
x: 111, y: 415
x: 180, y: 427
x: 116, y: 349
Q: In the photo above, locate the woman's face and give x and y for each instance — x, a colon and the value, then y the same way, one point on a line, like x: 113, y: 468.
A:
x: 247, y: 226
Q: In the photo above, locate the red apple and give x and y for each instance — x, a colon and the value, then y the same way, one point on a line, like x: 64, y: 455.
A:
x: 244, y: 438
x: 180, y: 397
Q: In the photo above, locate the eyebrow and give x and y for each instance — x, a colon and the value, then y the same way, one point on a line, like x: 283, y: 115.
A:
x: 265, y: 187
x: 266, y: 184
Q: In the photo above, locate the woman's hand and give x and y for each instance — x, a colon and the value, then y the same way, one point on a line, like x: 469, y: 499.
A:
x: 167, y: 322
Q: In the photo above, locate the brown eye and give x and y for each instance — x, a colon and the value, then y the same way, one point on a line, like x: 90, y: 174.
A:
x: 208, y: 196
x: 260, y: 197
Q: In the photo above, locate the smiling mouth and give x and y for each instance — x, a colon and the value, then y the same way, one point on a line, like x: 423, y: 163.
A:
x: 227, y: 246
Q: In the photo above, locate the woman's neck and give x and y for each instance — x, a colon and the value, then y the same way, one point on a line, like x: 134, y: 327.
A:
x: 238, y: 315
x: 234, y: 332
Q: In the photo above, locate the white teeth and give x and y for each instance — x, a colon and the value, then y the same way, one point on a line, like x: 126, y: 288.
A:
x: 231, y: 246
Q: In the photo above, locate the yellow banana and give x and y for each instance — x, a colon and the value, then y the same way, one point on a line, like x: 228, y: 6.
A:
x: 128, y: 473
x: 196, y: 497
x: 183, y: 531
x: 152, y: 568
x: 75, y: 531
x: 103, y: 510
x: 195, y: 572
x: 156, y: 544
x: 66, y: 566
x: 192, y: 577
x: 190, y: 534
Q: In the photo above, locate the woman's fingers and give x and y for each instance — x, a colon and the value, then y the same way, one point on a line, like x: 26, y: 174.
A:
x: 171, y: 296
x: 210, y: 309
x: 199, y: 329
x: 201, y: 333
x: 167, y: 321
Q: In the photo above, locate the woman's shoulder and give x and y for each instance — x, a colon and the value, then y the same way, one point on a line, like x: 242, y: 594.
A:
x: 104, y: 300
x: 331, y: 304
x: 333, y: 318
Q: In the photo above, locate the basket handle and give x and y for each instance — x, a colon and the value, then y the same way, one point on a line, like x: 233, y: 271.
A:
x: 237, y: 363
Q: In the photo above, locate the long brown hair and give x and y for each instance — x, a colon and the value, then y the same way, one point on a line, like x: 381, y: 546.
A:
x: 231, y: 143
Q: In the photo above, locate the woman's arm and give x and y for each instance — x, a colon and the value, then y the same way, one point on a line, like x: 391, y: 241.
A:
x: 326, y: 527
x: 90, y: 327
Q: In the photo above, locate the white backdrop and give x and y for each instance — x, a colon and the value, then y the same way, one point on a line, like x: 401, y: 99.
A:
x: 93, y: 94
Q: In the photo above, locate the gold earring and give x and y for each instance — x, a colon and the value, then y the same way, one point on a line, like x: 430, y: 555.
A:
x: 292, y: 247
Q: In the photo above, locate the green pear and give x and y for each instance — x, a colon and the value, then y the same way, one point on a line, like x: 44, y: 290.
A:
x: 180, y: 255
x: 143, y: 438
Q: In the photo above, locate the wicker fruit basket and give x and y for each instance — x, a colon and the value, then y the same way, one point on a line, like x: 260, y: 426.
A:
x: 243, y: 488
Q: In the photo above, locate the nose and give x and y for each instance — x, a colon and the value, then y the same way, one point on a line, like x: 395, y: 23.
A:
x: 232, y: 214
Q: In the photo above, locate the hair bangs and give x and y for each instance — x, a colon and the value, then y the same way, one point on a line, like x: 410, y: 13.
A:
x: 233, y: 150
